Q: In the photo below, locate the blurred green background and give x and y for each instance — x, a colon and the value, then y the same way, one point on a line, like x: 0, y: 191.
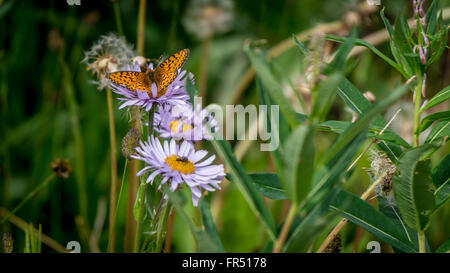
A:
x: 37, y: 112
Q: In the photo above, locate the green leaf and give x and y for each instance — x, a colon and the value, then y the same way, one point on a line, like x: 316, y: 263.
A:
x: 298, y: 162
x: 329, y: 175
x: 441, y: 129
x: 245, y: 185
x: 438, y: 43
x: 271, y: 85
x: 406, y: 70
x: 339, y: 127
x: 360, y: 42
x: 281, y: 127
x: 412, y: 188
x: 208, y: 222
x: 358, y: 103
x: 440, y: 97
x: 303, y: 49
x: 191, y: 89
x: 363, y: 214
x: 340, y: 58
x: 431, y: 18
x: 323, y: 97
x: 269, y: 185
x: 444, y: 248
x: 428, y: 120
x: 390, y: 209
x: 404, y: 42
x: 206, y: 243
x: 441, y: 180
x: 302, y: 235
x: 363, y: 122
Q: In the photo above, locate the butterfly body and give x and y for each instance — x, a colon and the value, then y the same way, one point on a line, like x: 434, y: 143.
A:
x: 163, y: 75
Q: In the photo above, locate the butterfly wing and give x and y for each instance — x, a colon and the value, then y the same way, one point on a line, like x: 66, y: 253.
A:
x: 166, y: 72
x: 132, y: 80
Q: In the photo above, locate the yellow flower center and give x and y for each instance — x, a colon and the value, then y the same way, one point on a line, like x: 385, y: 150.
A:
x: 186, y: 127
x: 174, y: 126
x: 180, y: 164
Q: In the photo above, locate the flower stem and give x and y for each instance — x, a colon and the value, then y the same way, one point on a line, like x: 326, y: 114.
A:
x: 141, y: 28
x: 117, y: 16
x: 151, y: 115
x: 169, y: 232
x: 162, y: 227
x: 113, y: 192
x: 41, y: 186
x: 284, y: 231
x: 421, y: 237
x: 135, y: 122
x: 120, y: 195
x: 140, y: 215
x: 417, y: 101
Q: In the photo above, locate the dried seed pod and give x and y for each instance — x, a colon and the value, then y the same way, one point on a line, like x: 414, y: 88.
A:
x: 62, y: 168
x: 129, y: 142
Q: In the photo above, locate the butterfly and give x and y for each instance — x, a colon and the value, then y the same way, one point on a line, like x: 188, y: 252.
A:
x: 163, y: 75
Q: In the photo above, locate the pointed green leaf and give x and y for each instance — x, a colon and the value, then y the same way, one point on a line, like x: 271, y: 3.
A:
x: 431, y: 17
x: 269, y: 185
x: 444, y: 248
x: 339, y: 127
x: 440, y: 97
x: 441, y: 129
x: 352, y: 208
x: 298, y: 162
x: 358, y: 103
x: 208, y: 223
x: 441, y: 180
x: 363, y: 122
x: 412, y: 188
x: 303, y: 234
x: 428, y: 120
x: 324, y: 96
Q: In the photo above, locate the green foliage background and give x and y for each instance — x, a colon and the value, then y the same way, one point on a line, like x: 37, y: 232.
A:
x: 36, y: 117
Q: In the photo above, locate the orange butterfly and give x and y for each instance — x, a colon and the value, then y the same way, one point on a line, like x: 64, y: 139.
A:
x: 163, y: 75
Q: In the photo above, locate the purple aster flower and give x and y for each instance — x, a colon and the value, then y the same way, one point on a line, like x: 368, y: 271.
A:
x: 178, y: 164
x: 174, y: 95
x: 183, y: 122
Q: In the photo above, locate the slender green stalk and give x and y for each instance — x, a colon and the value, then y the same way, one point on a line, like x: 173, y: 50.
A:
x: 284, y: 231
x: 141, y: 197
x: 162, y: 227
x: 140, y: 215
x: 41, y: 186
x: 168, y: 240
x: 135, y: 122
x: 141, y: 28
x: 151, y: 115
x: 119, y: 198
x: 113, y: 191
x: 417, y: 101
x: 421, y: 236
x: 117, y: 17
